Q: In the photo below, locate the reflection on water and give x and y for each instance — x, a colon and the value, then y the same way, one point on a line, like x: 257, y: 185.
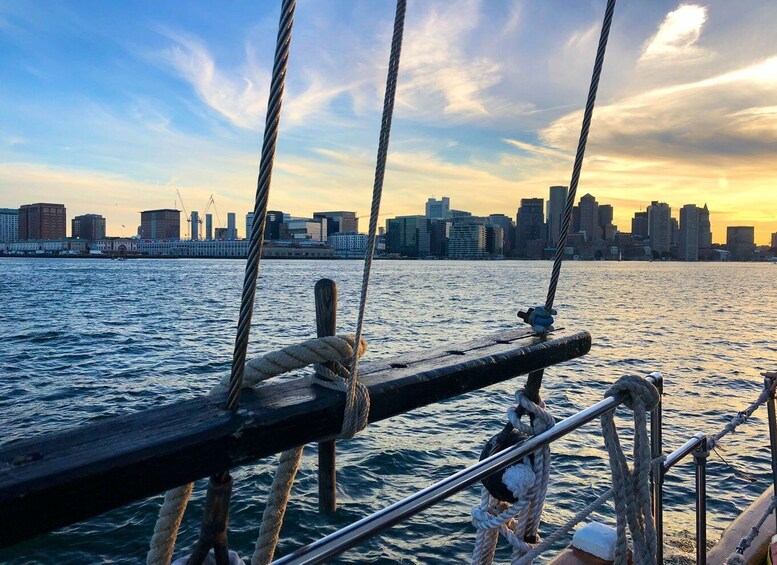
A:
x: 88, y: 339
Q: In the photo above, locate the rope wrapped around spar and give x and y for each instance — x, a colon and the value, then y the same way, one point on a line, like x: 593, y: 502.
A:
x: 315, y: 352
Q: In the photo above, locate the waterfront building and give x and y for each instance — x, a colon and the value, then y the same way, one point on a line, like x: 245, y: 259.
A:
x: 705, y: 228
x: 274, y: 225
x: 60, y: 246
x: 660, y: 227
x: 338, y: 222
x: 438, y: 208
x: 116, y: 245
x: 9, y: 225
x: 249, y: 223
x: 208, y: 227
x: 88, y: 226
x: 231, y: 248
x: 305, y: 229
x: 220, y: 234
x: 639, y: 225
x: 557, y: 202
x: 439, y: 230
x: 42, y: 221
x: 408, y: 236
x: 774, y: 240
x: 688, y: 244
x: 495, y: 238
x: 160, y: 224
x: 467, y: 241
x: 530, y: 221
x: 508, y: 231
x: 231, y: 226
x: 353, y: 245
x: 740, y: 242
x: 589, y: 218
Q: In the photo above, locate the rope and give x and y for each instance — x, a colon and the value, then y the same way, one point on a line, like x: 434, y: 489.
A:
x: 631, y: 489
x: 350, y: 425
x: 528, y: 482
x: 737, y: 558
x: 335, y: 349
x: 564, y: 529
x: 741, y: 418
x: 534, y: 381
x: 256, y: 239
x: 246, y: 375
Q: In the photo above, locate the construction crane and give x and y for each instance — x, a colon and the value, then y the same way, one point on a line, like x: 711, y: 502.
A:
x: 188, y: 218
x: 212, y: 202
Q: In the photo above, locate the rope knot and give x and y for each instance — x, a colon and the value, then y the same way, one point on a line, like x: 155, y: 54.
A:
x: 638, y: 393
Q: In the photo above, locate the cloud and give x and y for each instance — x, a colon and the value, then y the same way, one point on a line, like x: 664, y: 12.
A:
x: 437, y: 74
x: 677, y: 37
x: 722, y: 116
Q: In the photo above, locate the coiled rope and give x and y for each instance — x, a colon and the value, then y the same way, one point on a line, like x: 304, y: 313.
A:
x: 528, y: 482
x: 631, y: 488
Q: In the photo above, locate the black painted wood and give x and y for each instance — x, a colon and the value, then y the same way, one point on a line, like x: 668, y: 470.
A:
x: 325, y: 293
x: 62, y: 478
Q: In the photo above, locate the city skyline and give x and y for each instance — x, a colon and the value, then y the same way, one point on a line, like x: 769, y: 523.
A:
x: 115, y: 122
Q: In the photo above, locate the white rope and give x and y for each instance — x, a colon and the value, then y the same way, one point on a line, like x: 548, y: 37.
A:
x: 737, y: 557
x: 631, y: 488
x: 528, y: 481
x: 335, y: 349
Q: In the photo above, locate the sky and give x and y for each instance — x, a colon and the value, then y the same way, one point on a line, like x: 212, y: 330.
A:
x: 110, y: 107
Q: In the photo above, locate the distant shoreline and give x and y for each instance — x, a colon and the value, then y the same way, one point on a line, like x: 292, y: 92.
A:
x: 431, y: 260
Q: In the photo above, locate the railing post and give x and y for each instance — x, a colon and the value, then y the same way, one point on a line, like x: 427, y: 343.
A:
x: 700, y: 460
x: 657, y: 468
x: 326, y: 325
x: 769, y: 382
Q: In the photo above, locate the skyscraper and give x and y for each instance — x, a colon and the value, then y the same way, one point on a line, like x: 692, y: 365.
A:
x: 208, y: 227
x: 88, y: 226
x: 557, y: 201
x: 195, y: 225
x: 589, y: 218
x: 660, y: 227
x: 438, y: 208
x: 160, y: 224
x: 9, y: 225
x: 508, y: 231
x: 740, y: 242
x: 688, y: 244
x: 531, y: 223
x: 231, y: 226
x: 705, y: 228
x: 42, y: 221
x: 639, y: 225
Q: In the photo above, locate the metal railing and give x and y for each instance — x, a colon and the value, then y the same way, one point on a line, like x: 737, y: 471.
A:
x: 698, y: 446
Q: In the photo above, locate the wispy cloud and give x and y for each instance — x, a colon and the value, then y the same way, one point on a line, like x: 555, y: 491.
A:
x: 676, y: 40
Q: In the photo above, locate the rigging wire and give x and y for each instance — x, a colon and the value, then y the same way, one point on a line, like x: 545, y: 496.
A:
x: 534, y: 380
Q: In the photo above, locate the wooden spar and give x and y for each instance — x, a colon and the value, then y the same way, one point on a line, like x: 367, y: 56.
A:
x: 61, y: 478
x: 326, y: 325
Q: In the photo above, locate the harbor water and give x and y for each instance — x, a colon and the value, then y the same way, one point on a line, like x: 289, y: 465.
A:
x: 83, y: 340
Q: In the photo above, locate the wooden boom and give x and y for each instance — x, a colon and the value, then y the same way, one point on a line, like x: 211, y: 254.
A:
x: 61, y: 478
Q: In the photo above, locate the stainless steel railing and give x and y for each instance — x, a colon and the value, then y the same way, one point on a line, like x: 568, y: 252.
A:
x: 345, y: 538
